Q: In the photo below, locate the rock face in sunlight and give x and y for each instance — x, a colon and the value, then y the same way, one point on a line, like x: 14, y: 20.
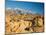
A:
x: 18, y: 22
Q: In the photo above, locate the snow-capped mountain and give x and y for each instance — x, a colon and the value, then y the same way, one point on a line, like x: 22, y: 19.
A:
x: 20, y: 11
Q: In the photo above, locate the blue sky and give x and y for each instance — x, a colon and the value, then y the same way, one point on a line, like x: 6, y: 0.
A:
x: 33, y: 6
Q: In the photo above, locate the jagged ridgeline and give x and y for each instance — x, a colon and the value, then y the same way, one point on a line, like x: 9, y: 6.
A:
x: 20, y: 11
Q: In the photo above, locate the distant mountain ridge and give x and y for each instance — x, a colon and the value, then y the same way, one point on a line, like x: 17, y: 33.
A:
x: 21, y: 11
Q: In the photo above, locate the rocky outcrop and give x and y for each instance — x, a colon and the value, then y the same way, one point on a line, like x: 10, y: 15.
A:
x: 22, y: 23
